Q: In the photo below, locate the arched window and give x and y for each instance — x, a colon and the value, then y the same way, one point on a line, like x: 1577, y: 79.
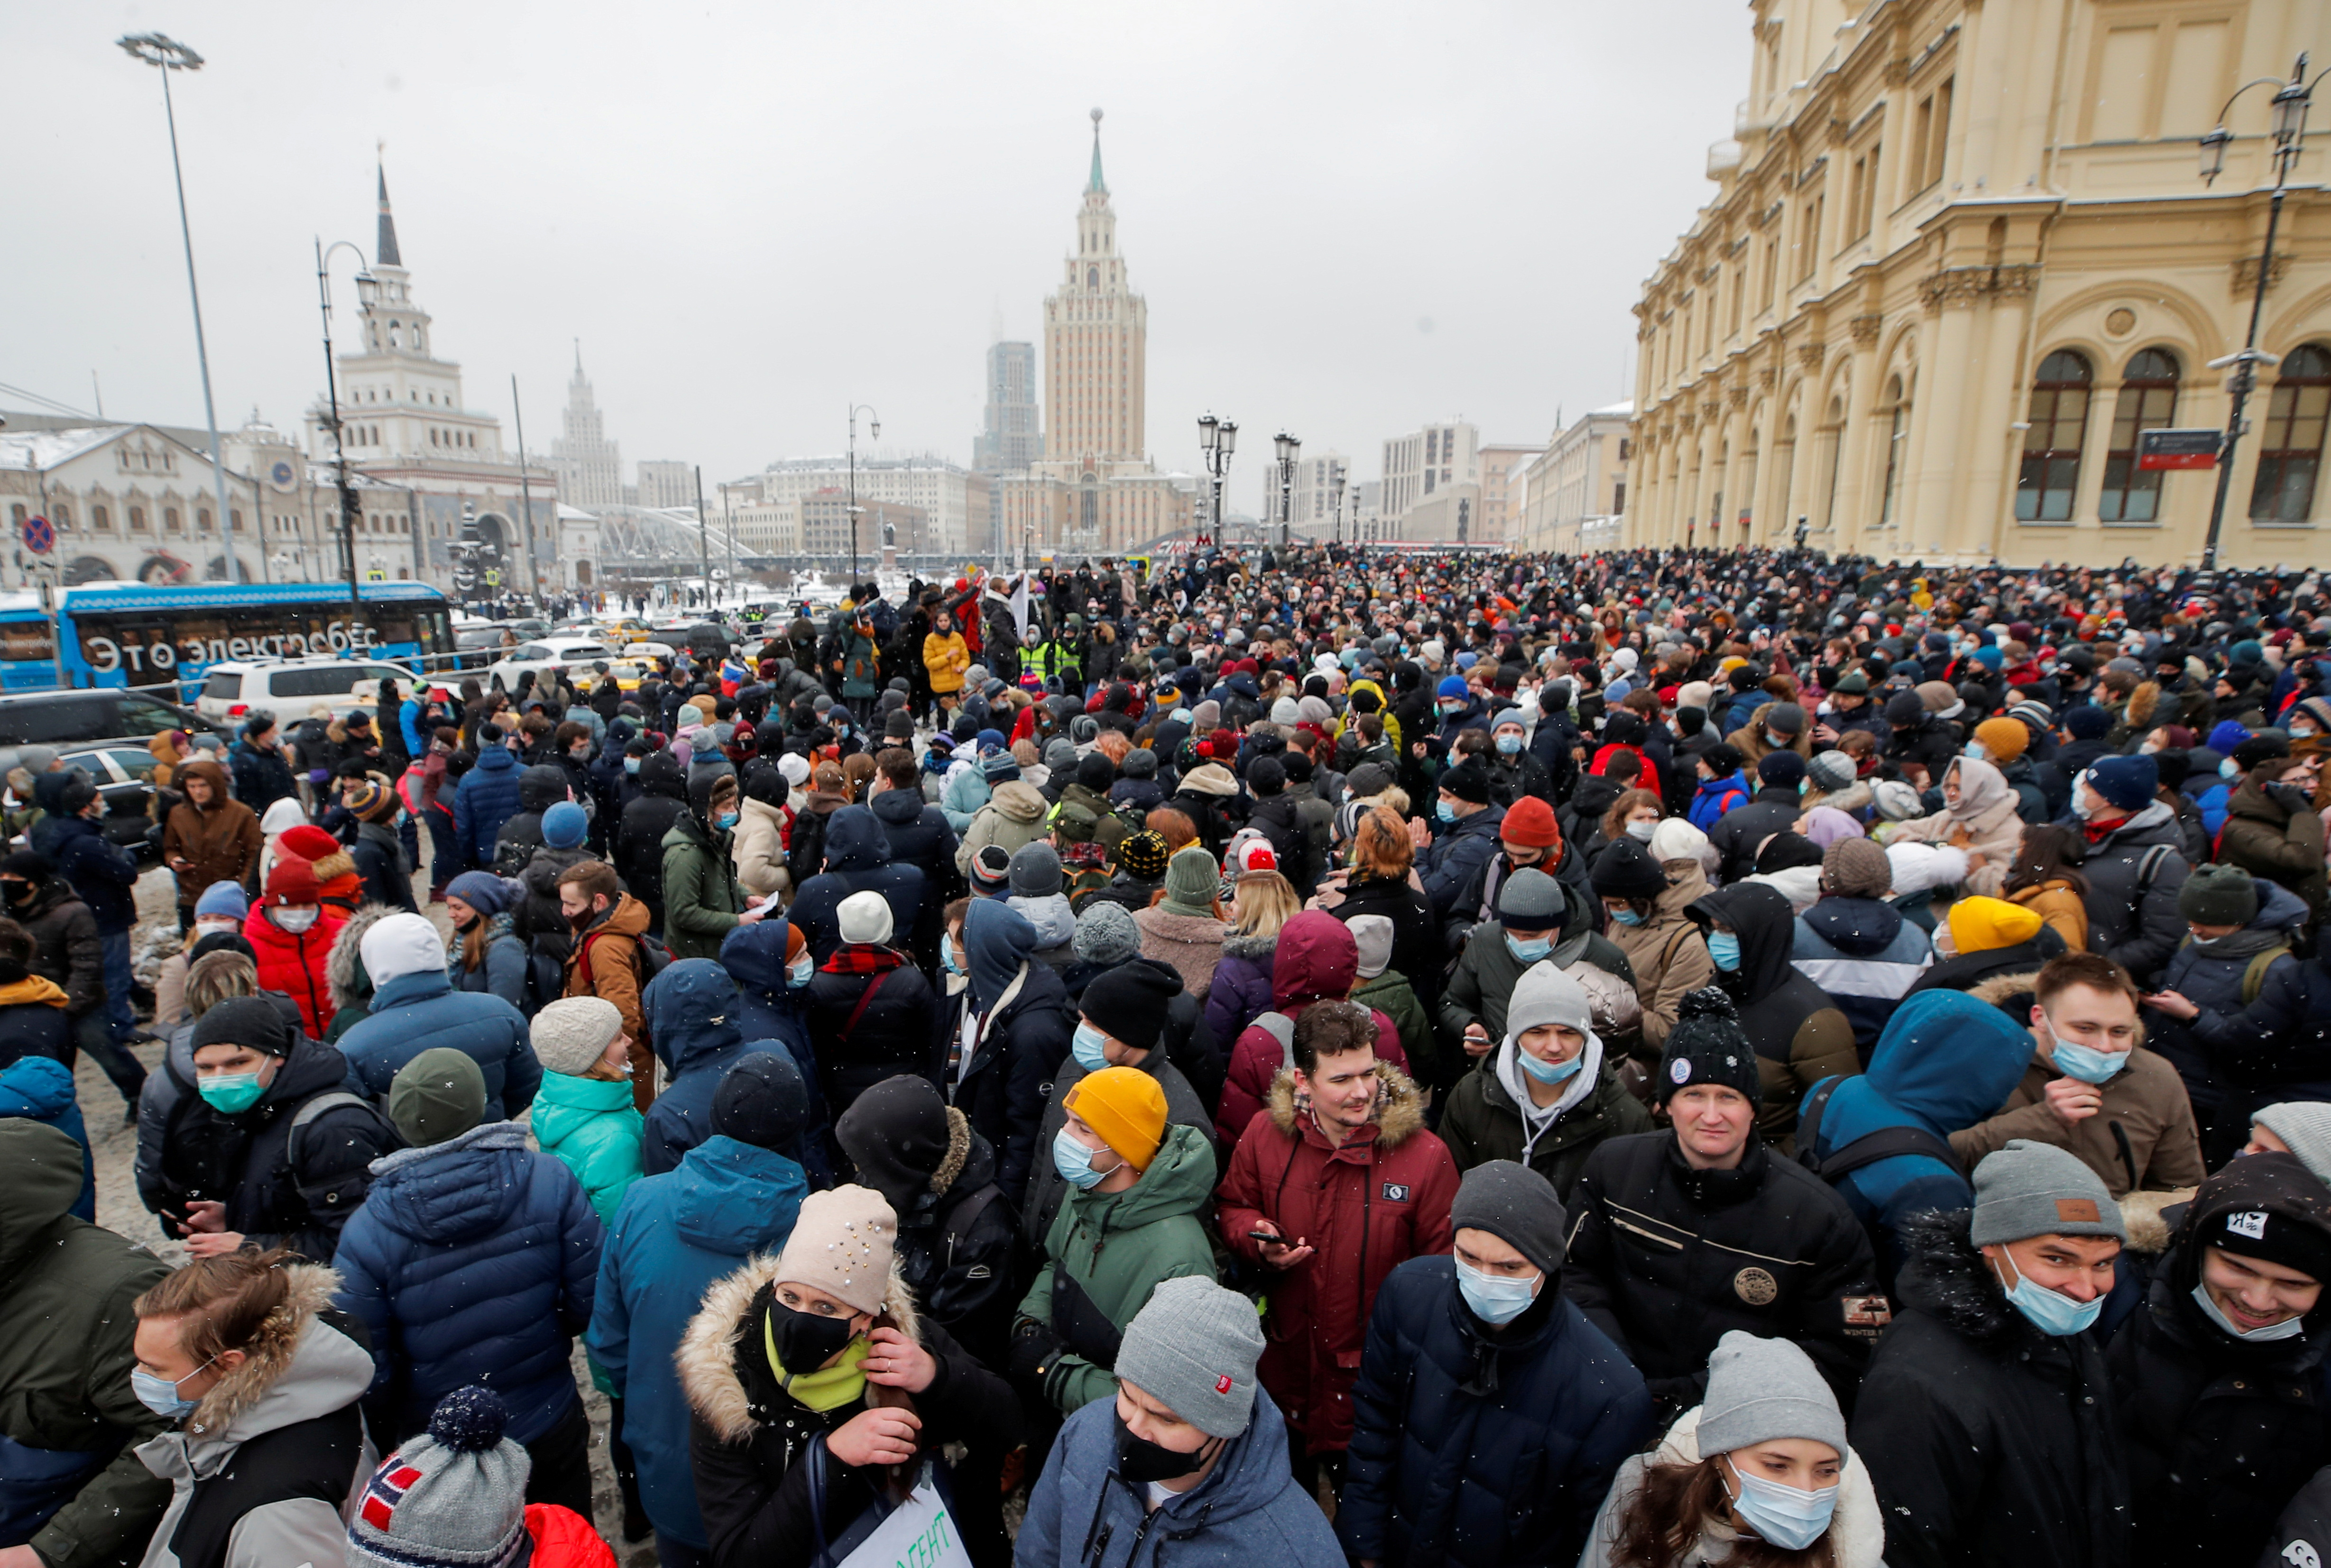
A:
x: 1834, y: 433
x: 2291, y: 454
x: 1092, y: 277
x: 137, y: 519
x: 2052, y: 442
x: 2148, y: 401
x: 99, y: 518
x: 60, y: 514
x: 171, y: 519
x: 1898, y: 452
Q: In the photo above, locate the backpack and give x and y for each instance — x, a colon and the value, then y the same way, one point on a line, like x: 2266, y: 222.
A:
x: 650, y: 956
x: 1885, y: 1144
x: 348, y: 1191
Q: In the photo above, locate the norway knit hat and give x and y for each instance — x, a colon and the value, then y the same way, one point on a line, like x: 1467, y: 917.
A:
x: 1624, y: 870
x: 1857, y: 869
x: 1125, y: 1105
x: 1760, y: 1390
x: 221, y: 899
x: 1831, y: 771
x: 1035, y: 872
x: 1128, y: 1002
x: 399, y: 945
x: 573, y: 1032
x: 991, y: 870
x: 2219, y: 895
x: 2126, y: 782
x: 2305, y: 1128
x: 454, y: 1497
x: 841, y: 1243
x: 1372, y: 934
x: 1190, y: 878
x: 1193, y: 1347
x: 1529, y: 823
x: 1530, y: 900
x: 1106, y: 933
x: 1707, y: 1046
x: 2029, y: 1188
x: 438, y: 1095
x: 248, y: 1021
x: 761, y: 1100
x: 1982, y: 925
x: 564, y: 825
x: 864, y: 917
x: 1518, y: 1206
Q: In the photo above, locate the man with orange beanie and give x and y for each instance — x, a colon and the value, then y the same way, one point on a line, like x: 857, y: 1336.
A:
x: 1529, y: 838
x: 1136, y: 1186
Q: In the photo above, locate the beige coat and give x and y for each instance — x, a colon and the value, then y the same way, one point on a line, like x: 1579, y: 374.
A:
x: 758, y: 849
x: 1014, y: 816
x: 1983, y: 824
x: 1191, y: 944
x: 1669, y: 955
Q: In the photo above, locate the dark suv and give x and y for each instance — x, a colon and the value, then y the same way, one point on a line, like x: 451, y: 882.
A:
x: 98, y: 715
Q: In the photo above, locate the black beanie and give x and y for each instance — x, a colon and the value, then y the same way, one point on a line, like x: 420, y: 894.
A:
x: 1267, y: 776
x: 762, y: 1102
x: 222, y: 942
x: 1095, y: 771
x: 1128, y: 1002
x: 249, y: 1022
x: 897, y: 1135
x: 1468, y: 781
x: 1518, y: 1206
x: 1624, y: 870
x: 1707, y: 1045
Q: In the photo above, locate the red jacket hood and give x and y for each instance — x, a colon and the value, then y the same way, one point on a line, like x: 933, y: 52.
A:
x: 1316, y: 957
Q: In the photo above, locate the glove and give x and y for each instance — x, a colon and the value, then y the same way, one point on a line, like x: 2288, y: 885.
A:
x: 1034, y: 1348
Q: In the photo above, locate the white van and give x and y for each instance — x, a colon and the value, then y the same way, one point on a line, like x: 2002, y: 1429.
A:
x: 289, y: 688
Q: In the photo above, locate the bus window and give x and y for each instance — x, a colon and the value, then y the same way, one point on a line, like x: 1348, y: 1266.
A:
x: 25, y: 639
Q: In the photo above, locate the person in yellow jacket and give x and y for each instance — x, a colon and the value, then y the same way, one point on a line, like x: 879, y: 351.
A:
x: 1382, y: 709
x: 946, y: 656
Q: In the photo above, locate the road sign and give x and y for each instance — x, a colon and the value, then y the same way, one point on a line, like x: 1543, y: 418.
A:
x: 2178, y: 449
x: 39, y: 536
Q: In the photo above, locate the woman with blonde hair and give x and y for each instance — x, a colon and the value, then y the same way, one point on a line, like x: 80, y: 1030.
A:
x: 1262, y: 902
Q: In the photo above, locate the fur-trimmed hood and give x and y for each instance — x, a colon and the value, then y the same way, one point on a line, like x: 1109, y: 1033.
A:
x: 1400, y: 1107
x: 298, y: 1368
x: 344, y: 969
x: 2000, y: 990
x: 2148, y: 1220
x: 1945, y: 1276
x: 707, y: 1357
x: 1254, y: 948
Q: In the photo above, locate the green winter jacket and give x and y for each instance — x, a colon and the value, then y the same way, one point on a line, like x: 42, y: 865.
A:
x: 1117, y: 1245
x: 1486, y: 975
x: 590, y: 1124
x: 1391, y: 995
x: 66, y: 1287
x: 1479, y: 1123
x: 701, y: 899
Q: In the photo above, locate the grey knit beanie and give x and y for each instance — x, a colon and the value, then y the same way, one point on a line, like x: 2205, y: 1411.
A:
x: 1515, y: 1204
x: 1762, y: 1389
x: 1831, y: 771
x: 1544, y: 995
x: 2029, y: 1188
x: 2306, y: 1126
x: 1530, y: 900
x: 1374, y: 935
x: 1035, y: 870
x: 573, y: 1032
x: 2219, y: 895
x: 454, y: 1496
x: 1106, y: 933
x: 1061, y: 757
x: 1192, y: 1348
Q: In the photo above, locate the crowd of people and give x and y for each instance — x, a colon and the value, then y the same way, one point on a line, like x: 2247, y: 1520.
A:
x: 1322, y: 1057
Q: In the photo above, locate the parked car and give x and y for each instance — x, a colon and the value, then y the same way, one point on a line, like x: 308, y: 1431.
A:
x: 125, y: 782
x: 548, y: 653
x: 289, y: 688
x: 104, y: 716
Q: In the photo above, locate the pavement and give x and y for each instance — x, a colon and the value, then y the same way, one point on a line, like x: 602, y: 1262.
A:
x: 118, y: 1208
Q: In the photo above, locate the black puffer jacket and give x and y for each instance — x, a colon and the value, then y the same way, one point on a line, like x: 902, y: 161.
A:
x: 1004, y: 1089
x: 1666, y: 1259
x: 2221, y: 1434
x: 639, y: 841
x: 892, y: 1035
x: 2132, y: 918
x: 1987, y: 1441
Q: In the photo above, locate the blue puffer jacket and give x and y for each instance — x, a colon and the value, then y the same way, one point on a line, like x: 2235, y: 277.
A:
x: 768, y: 1009
x: 1715, y: 796
x: 472, y: 1261
x: 961, y: 796
x: 1945, y: 1061
x: 693, y: 1020
x: 857, y: 860
x: 674, y: 1235
x: 1248, y: 1511
x: 416, y: 1013
x: 1442, y: 1472
x: 41, y: 1089
x: 486, y: 798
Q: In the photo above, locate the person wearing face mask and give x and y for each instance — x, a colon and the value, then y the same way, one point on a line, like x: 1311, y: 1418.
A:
x: 223, y: 907
x: 1987, y: 1419
x: 1136, y: 1185
x: 703, y: 902
x: 824, y: 1358
x: 2202, y: 1373
x: 291, y: 932
x: 1489, y: 1415
x: 1189, y: 1451
x: 1454, y: 853
x: 1761, y: 1466
x: 1798, y: 1035
x: 75, y: 1493
x: 607, y: 958
x: 2093, y: 1088
x: 1539, y: 918
x: 2134, y: 865
x: 2274, y: 832
x: 1513, y: 773
x: 2239, y: 929
x: 1662, y: 946
x: 1742, y: 1239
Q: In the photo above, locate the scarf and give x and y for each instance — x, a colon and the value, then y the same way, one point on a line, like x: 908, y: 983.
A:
x: 829, y: 1387
x: 1537, y: 1121
x: 863, y: 958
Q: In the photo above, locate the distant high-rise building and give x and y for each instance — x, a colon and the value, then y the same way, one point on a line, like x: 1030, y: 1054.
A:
x: 1011, y: 434
x: 666, y: 484
x: 590, y: 466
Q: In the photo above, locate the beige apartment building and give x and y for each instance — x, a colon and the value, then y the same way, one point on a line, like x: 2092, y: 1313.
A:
x: 1572, y: 498
x: 1959, y: 255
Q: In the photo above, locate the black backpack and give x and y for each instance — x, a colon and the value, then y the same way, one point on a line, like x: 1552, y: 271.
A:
x: 1885, y: 1144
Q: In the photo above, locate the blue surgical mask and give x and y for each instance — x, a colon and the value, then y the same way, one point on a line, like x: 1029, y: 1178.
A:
x: 947, y: 959
x: 1789, y: 1517
x: 2288, y: 1329
x: 2230, y: 769
x: 1626, y: 916
x: 1444, y: 810
x: 631, y: 765
x: 1090, y: 1048
x: 1508, y: 745
x: 2085, y: 1062
x: 1530, y: 951
x: 798, y: 973
x: 160, y: 1395
x: 1074, y: 1162
x: 1494, y: 1300
x: 231, y: 1093
x: 1724, y: 949
x: 725, y: 821
x: 1549, y: 1071
x: 2052, y: 1312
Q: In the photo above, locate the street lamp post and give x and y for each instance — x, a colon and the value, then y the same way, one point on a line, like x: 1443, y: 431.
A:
x: 1336, y: 491
x: 1290, y: 449
x: 368, y: 290
x: 169, y: 54
x: 2291, y: 102
x: 1217, y: 439
x: 874, y: 426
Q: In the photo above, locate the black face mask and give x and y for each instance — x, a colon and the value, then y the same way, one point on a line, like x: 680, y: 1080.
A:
x: 1141, y: 1461
x: 582, y: 922
x: 20, y: 892
x: 806, y: 1341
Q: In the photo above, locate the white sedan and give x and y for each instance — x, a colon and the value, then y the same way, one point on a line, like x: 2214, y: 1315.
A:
x: 544, y: 653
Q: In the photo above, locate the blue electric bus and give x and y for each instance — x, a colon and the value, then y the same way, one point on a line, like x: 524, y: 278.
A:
x: 132, y: 635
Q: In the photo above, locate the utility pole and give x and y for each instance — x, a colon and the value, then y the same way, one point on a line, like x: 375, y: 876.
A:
x: 526, y: 496
x: 703, y: 541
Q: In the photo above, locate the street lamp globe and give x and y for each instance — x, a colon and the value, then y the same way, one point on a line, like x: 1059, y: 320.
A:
x: 2213, y: 154
x: 1208, y: 427
x: 368, y: 290
x: 2290, y: 113
x: 1285, y: 443
x: 1228, y: 437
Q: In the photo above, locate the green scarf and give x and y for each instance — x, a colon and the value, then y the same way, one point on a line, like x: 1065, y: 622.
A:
x: 828, y: 1388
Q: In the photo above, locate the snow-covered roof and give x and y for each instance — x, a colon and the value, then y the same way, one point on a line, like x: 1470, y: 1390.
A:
x: 1624, y: 409
x: 568, y: 514
x: 45, y: 448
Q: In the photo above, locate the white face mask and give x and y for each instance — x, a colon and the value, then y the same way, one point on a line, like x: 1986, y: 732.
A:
x: 294, y: 920
x: 1641, y: 832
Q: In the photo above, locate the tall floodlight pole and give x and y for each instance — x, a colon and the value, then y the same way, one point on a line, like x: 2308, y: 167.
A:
x: 875, y: 427
x: 168, y: 55
x: 368, y: 290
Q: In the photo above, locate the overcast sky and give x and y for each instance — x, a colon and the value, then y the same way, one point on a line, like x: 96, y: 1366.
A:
x: 1349, y: 219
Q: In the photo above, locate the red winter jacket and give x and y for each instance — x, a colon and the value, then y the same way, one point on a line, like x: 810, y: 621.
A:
x: 1367, y: 1207
x: 294, y: 964
x: 1316, y: 958
x: 565, y: 1539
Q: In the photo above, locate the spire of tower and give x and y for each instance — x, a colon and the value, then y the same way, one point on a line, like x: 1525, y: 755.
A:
x: 578, y: 359
x: 386, y: 247
x: 1092, y: 186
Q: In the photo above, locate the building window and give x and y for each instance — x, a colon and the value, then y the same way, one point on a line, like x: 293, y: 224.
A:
x: 2148, y: 401
x: 99, y: 518
x: 1930, y: 133
x: 171, y: 522
x: 17, y: 514
x: 1897, y: 452
x: 2292, y: 452
x: 60, y: 514
x: 2051, y: 441
x: 137, y: 519
x: 203, y: 519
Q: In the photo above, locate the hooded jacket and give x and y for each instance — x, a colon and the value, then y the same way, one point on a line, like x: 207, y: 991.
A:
x: 486, y: 798
x: 1666, y: 1259
x: 2133, y: 920
x: 66, y: 948
x: 590, y: 1124
x: 1744, y: 829
x: 472, y: 1261
x: 1184, y: 1108
x: 1799, y: 1034
x: 673, y: 1235
x: 222, y: 839
x: 859, y: 859
x: 1013, y: 817
x: 1482, y: 984
x: 920, y: 836
x: 2221, y: 1433
x: 1865, y: 955
x: 1987, y: 1441
x: 701, y: 899
x: 691, y: 1012
x: 858, y: 1046
x: 105, y: 876
x: 2272, y: 836
x: 1116, y: 1247
x: 1021, y: 1015
x: 638, y: 845
x: 1714, y: 799
x: 65, y: 1328
x: 1380, y: 1197
x: 1478, y: 1446
x: 2281, y: 1043
x: 1241, y: 988
x: 2215, y: 978
x: 1315, y: 962
x: 604, y: 960
x: 1985, y: 822
x: 262, y: 1471
x: 1481, y: 1120
x: 295, y: 962
x: 35, y: 1040
x: 962, y: 794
